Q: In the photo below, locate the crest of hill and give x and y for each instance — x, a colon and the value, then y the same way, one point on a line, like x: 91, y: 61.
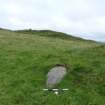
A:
x: 4, y: 29
x: 52, y: 34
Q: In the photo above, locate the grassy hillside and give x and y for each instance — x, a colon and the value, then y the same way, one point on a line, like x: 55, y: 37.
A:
x: 49, y: 33
x: 25, y: 59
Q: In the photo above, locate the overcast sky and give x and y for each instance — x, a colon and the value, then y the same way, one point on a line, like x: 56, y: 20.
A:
x: 84, y: 18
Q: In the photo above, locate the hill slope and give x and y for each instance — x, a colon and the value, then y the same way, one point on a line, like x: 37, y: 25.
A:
x: 49, y: 33
x: 25, y: 59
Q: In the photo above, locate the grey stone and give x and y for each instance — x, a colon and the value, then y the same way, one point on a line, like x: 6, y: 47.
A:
x: 55, y: 75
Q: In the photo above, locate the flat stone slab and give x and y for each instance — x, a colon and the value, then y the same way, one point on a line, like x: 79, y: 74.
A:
x: 55, y: 75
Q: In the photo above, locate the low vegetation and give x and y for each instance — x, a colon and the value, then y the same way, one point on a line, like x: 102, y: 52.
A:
x: 26, y: 57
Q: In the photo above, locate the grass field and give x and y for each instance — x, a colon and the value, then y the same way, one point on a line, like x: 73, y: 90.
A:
x: 26, y: 57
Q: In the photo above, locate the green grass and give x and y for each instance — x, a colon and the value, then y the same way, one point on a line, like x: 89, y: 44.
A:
x: 25, y: 59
